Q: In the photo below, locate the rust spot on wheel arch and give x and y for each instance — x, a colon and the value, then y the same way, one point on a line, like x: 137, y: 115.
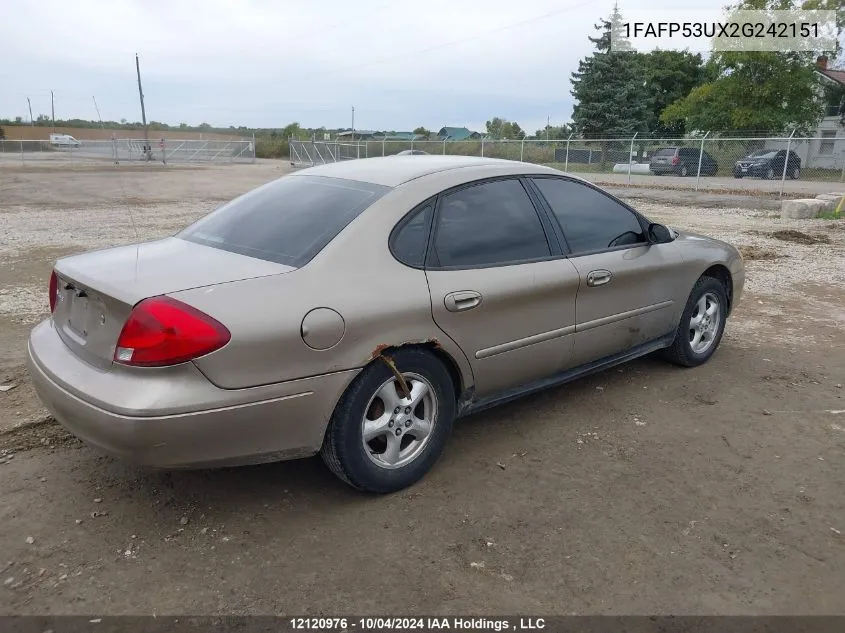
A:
x: 378, y: 353
x: 379, y: 350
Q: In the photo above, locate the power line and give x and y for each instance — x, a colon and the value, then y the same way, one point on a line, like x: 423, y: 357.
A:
x: 453, y: 42
x: 308, y: 33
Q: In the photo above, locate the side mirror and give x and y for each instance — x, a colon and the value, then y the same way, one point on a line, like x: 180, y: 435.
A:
x: 659, y: 234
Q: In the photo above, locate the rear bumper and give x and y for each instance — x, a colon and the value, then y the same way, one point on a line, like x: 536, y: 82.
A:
x: 664, y: 168
x: 176, y: 417
x: 754, y: 172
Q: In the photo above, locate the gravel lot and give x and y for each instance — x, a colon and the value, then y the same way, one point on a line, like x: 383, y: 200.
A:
x: 645, y: 489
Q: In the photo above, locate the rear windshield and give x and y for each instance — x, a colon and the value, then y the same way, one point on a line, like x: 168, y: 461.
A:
x: 666, y: 151
x: 287, y: 221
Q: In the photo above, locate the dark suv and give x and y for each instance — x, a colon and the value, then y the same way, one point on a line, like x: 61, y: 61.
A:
x: 768, y: 163
x: 682, y: 161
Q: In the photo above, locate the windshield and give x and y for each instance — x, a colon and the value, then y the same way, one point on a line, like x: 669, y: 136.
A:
x: 287, y: 221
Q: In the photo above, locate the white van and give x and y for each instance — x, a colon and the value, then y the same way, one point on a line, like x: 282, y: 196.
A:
x: 63, y: 140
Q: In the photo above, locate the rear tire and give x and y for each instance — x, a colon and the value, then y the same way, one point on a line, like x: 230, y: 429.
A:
x: 700, y: 330
x: 796, y: 173
x: 397, y: 455
x: 684, y: 171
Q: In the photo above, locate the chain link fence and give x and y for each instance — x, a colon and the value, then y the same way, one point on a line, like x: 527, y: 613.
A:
x: 701, y: 162
x: 123, y: 150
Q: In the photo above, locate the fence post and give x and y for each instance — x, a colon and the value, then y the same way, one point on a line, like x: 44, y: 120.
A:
x: 786, y: 162
x: 255, y: 149
x: 566, y: 165
x: 700, y: 157
x: 631, y: 156
x: 482, y: 147
x: 444, y: 146
x: 22, y: 159
x: 522, y: 150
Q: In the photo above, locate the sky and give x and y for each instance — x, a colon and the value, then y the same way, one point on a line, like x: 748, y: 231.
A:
x: 266, y: 63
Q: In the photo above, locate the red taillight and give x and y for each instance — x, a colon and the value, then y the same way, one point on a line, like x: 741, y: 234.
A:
x: 54, y: 290
x: 676, y: 160
x: 163, y: 331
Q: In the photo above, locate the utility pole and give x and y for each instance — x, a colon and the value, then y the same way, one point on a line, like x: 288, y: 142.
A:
x: 353, y: 123
x: 96, y: 107
x: 31, y: 120
x: 147, y: 148
x: 53, y: 110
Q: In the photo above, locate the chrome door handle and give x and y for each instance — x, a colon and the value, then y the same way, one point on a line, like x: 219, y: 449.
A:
x: 598, y: 277
x: 461, y: 300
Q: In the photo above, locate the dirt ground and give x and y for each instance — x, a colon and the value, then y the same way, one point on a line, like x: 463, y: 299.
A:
x: 644, y: 489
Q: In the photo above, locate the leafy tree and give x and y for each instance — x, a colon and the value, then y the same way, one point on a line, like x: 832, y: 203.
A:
x: 293, y: 130
x: 610, y: 90
x: 756, y: 91
x: 494, y: 127
x: 422, y: 131
x: 499, y: 128
x: 554, y: 132
x: 2, y: 133
x: 670, y: 76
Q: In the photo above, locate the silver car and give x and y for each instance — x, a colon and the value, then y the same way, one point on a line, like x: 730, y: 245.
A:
x: 357, y: 309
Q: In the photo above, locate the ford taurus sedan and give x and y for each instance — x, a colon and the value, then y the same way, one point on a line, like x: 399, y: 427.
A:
x: 356, y: 309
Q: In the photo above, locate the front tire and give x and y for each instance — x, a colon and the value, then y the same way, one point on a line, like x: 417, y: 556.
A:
x: 770, y: 174
x: 702, y: 324
x: 380, y: 441
x: 796, y: 173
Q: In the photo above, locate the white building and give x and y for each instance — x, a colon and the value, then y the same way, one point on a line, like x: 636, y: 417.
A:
x: 826, y: 148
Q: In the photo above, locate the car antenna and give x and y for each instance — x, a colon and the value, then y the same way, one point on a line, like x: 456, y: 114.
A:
x: 131, y: 221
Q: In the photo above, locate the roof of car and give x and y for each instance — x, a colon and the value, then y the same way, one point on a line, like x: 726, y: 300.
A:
x: 392, y: 171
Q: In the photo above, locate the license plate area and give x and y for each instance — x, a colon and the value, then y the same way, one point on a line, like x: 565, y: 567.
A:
x: 81, y: 312
x: 77, y: 318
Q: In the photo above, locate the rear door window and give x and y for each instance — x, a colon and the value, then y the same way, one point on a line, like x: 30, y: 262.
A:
x: 488, y: 224
x: 667, y: 151
x: 287, y: 221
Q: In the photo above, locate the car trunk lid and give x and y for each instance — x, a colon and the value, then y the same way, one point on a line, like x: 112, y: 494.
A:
x: 96, y: 291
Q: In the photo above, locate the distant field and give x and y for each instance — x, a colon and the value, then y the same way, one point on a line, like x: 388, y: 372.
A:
x: 33, y: 133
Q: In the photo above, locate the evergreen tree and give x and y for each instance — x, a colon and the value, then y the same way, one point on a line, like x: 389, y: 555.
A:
x: 609, y: 87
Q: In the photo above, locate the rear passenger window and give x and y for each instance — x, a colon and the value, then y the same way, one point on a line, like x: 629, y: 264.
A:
x: 409, y: 242
x: 591, y: 220
x: 489, y: 224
